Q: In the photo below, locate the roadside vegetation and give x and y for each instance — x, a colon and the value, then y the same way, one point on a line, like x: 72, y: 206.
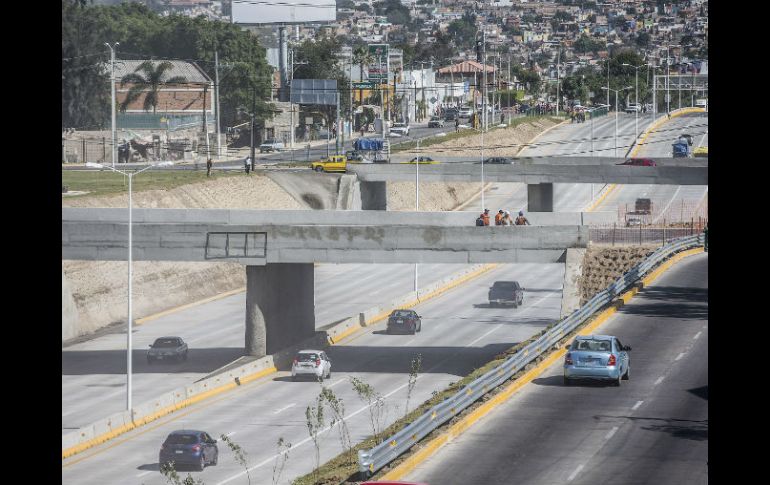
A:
x: 107, y: 182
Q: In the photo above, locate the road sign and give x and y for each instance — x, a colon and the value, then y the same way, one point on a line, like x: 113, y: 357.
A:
x: 364, y: 85
x: 378, y: 68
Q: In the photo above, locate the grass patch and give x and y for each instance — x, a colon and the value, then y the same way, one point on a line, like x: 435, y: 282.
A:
x: 466, y: 132
x: 106, y: 182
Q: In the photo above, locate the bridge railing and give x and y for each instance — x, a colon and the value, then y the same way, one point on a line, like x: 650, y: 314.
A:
x: 372, y: 460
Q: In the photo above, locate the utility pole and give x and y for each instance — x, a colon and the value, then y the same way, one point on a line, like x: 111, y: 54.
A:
x: 112, y: 92
x: 558, y: 59
x: 253, y: 113
x: 484, y: 102
x: 205, y: 119
x: 216, y: 99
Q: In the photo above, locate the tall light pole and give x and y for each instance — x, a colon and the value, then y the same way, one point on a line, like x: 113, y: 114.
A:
x: 112, y: 92
x: 636, y: 98
x: 616, y: 114
x: 129, y: 342
x: 558, y: 58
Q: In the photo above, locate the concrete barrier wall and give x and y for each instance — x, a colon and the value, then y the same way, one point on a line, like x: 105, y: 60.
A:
x: 318, y: 217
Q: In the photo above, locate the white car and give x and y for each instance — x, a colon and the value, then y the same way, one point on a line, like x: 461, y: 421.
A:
x: 314, y: 363
x: 466, y: 111
x: 271, y: 146
x: 633, y: 108
x: 400, y: 128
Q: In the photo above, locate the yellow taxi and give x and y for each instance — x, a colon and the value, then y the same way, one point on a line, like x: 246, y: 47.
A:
x: 332, y: 163
x: 701, y: 152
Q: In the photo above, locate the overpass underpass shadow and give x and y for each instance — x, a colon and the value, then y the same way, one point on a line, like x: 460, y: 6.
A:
x: 671, y: 301
x: 395, y: 359
x: 87, y: 362
x: 689, y: 429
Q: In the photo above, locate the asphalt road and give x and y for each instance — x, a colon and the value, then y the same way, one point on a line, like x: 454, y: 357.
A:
x: 571, y: 139
x: 459, y: 334
x: 93, y: 372
x: 653, y: 429
x: 670, y: 202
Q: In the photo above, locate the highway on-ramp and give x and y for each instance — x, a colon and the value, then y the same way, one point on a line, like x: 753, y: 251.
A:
x: 460, y: 332
x: 653, y: 429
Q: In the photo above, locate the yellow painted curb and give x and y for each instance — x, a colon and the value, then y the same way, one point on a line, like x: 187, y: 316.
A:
x: 140, y: 321
x: 66, y: 453
x: 465, y: 423
x: 604, y: 196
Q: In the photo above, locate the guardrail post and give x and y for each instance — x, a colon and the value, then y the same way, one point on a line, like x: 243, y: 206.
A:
x: 613, y: 233
x: 664, y: 232
x: 640, y: 234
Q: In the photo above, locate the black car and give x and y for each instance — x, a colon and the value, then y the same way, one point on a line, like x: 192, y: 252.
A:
x: 506, y: 293
x: 450, y: 116
x: 498, y: 160
x: 189, y: 447
x: 167, y: 348
x: 404, y: 321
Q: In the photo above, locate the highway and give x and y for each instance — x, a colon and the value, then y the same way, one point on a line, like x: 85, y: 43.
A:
x: 459, y: 334
x: 653, y: 429
x: 670, y: 202
x: 569, y: 139
x: 93, y: 372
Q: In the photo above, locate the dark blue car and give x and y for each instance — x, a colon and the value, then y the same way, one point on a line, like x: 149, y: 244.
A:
x: 189, y: 447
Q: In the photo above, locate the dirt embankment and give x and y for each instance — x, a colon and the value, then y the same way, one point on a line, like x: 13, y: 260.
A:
x: 602, y: 266
x: 99, y: 287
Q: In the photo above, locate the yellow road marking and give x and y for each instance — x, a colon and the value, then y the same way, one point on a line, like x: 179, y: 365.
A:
x: 465, y: 423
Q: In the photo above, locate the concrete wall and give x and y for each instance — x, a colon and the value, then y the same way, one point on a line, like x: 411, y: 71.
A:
x: 201, y: 241
x: 570, y: 297
x: 694, y: 173
x: 69, y: 312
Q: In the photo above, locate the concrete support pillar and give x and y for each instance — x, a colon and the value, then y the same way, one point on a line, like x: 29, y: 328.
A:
x: 540, y: 197
x: 374, y: 196
x: 280, y: 306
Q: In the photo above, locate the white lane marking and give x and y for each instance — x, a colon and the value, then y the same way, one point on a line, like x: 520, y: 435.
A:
x: 574, y: 474
x: 612, y: 431
x: 695, y: 337
x: 534, y: 305
x: 658, y: 381
x: 410, y: 341
x: 338, y: 382
x: 144, y: 473
x: 284, y: 408
x: 700, y: 143
x: 663, y: 212
x: 679, y: 356
x: 639, y: 403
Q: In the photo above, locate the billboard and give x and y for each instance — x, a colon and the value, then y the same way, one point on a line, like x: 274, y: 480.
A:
x: 251, y: 12
x: 378, y: 68
x: 314, y: 91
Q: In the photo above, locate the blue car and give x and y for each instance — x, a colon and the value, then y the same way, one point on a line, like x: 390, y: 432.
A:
x: 600, y: 357
x: 189, y: 447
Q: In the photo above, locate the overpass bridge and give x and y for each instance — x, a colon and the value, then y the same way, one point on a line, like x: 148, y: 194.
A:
x: 278, y: 250
x: 539, y: 173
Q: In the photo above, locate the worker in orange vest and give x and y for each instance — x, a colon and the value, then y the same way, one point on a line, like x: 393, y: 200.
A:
x: 499, y: 218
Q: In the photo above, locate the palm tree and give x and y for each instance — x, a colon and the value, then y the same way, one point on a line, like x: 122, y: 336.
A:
x: 152, y: 80
x: 361, y: 56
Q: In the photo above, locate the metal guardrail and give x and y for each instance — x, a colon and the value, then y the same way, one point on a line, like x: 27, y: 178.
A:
x: 370, y: 461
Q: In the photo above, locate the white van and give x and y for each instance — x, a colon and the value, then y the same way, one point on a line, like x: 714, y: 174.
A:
x: 702, y: 103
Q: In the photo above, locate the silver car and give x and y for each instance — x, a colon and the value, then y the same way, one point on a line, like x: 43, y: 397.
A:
x: 313, y: 363
x: 167, y: 348
x: 600, y: 357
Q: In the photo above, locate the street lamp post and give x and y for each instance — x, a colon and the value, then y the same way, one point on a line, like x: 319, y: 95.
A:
x: 636, y: 98
x: 616, y: 114
x: 112, y: 93
x: 129, y: 343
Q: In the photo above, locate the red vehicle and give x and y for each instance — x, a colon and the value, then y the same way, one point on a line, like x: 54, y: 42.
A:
x: 640, y: 162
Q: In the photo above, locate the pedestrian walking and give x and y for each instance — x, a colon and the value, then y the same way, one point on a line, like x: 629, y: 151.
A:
x: 502, y: 118
x: 247, y: 164
x: 209, y: 164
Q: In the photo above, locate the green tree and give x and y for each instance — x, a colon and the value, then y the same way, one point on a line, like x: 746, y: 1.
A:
x: 85, y: 87
x: 150, y: 82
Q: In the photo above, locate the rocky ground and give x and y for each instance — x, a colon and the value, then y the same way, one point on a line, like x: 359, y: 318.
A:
x: 603, y: 265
